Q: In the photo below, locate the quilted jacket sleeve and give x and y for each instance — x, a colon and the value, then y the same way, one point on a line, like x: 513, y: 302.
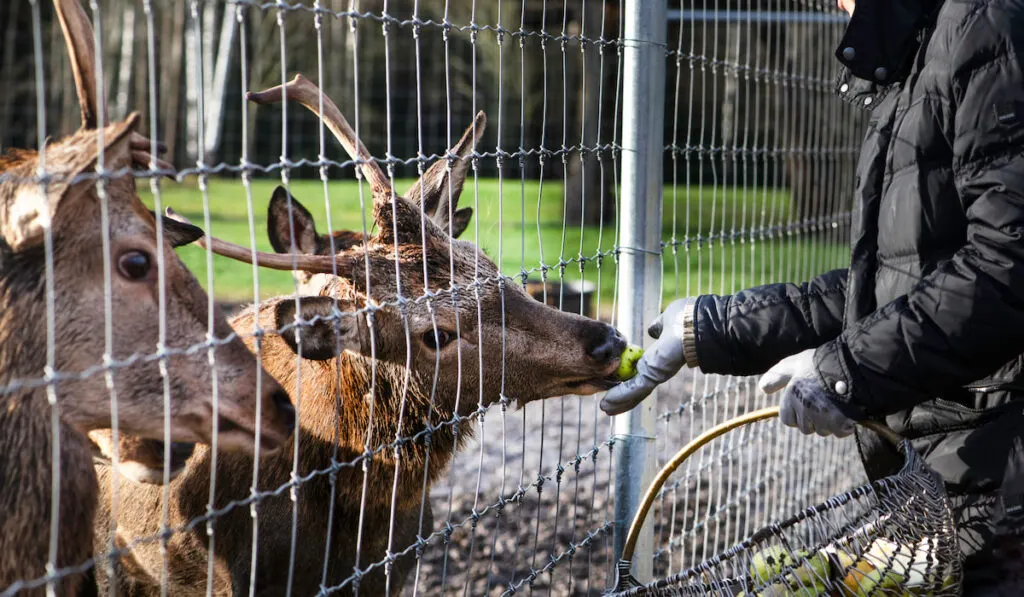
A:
x: 748, y: 332
x: 966, y: 318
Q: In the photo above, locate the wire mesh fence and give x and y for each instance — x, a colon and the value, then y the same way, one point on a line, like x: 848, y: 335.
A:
x: 893, y: 536
x: 449, y: 439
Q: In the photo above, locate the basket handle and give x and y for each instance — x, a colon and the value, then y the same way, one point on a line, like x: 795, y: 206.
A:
x: 698, y: 443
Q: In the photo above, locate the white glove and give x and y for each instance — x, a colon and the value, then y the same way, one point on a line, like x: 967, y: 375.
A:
x: 659, y: 364
x: 805, y: 404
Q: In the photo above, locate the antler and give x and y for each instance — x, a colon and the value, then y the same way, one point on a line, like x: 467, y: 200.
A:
x: 78, y: 35
x: 304, y: 91
x: 314, y: 264
x: 429, y: 191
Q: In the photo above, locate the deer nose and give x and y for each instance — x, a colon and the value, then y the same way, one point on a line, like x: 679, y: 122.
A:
x: 285, y: 409
x: 609, y: 345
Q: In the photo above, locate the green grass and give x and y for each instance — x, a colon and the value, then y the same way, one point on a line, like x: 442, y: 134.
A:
x: 522, y: 225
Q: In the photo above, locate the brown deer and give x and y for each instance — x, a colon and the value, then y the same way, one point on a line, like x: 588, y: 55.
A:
x: 66, y: 209
x: 406, y: 370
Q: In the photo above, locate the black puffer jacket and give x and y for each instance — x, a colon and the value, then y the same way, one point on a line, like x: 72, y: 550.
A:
x: 926, y: 328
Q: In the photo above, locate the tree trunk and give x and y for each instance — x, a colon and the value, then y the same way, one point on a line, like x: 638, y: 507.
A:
x: 209, y: 26
x: 193, y: 85
x: 216, y: 99
x: 9, y: 81
x: 126, y: 61
x: 140, y: 75
x: 731, y: 88
x: 807, y: 181
x: 173, y: 66
x: 586, y: 194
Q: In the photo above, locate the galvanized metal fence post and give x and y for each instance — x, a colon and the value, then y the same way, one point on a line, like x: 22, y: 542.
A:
x: 644, y: 61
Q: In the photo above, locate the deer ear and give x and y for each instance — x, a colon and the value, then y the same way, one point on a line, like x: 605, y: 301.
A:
x: 179, y: 234
x: 461, y: 221
x: 323, y: 335
x: 31, y: 209
x: 439, y: 185
x: 282, y: 205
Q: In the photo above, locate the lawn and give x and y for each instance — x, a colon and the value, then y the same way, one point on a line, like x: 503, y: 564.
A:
x: 520, y: 223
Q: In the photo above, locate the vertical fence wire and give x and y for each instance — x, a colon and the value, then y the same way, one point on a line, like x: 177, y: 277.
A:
x: 51, y: 334
x: 257, y: 330
x: 428, y: 482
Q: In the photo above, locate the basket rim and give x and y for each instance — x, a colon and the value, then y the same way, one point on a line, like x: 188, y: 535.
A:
x: 626, y: 584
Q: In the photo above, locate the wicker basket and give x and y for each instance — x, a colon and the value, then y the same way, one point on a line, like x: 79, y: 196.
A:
x: 894, y: 536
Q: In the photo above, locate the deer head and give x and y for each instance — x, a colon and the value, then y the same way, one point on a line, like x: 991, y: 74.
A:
x: 70, y: 207
x: 473, y: 316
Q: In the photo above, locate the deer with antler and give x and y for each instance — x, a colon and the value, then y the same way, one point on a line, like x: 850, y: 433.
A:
x: 51, y: 229
x: 384, y: 384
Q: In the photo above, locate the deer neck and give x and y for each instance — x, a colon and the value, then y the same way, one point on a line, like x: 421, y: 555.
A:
x: 393, y: 407
x: 22, y: 316
x: 25, y: 493
x: 340, y: 405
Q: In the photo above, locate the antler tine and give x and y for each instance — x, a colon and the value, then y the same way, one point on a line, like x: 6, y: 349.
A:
x: 306, y: 92
x: 314, y: 264
x: 78, y: 35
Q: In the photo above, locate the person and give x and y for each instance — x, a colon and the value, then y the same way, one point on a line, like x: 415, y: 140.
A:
x: 925, y: 328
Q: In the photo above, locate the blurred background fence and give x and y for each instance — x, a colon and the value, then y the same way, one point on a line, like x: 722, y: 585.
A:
x: 755, y: 182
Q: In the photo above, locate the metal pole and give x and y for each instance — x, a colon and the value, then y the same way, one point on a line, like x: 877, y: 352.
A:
x: 643, y: 110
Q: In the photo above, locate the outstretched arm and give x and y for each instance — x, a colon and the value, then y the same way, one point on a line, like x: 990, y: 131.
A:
x: 739, y: 334
x: 748, y: 332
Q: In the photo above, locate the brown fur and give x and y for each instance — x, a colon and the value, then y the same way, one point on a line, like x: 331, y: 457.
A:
x: 69, y: 211
x: 325, y: 420
x: 25, y: 427
x: 529, y: 351
x: 546, y: 352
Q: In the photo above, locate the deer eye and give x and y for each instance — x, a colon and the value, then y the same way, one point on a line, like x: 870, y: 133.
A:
x: 442, y: 339
x: 134, y: 265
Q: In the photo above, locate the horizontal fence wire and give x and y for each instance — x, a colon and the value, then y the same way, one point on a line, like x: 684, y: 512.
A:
x: 444, y: 451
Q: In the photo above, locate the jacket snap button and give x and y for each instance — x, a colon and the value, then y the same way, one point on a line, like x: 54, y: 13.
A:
x: 881, y: 73
x: 841, y: 387
x: 844, y: 88
x: 867, y: 101
x: 849, y: 53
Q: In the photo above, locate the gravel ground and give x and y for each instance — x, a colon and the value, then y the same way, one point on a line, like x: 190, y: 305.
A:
x: 768, y: 474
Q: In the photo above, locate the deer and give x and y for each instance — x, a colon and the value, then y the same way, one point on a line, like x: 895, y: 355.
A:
x: 373, y: 368
x: 53, y: 294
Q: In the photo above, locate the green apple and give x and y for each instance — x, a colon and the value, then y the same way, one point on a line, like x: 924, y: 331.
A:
x: 812, y: 573
x: 862, y: 579
x: 627, y: 362
x: 776, y: 590
x: 769, y: 563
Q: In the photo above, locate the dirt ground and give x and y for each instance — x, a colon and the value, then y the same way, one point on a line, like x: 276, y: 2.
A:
x: 557, y: 538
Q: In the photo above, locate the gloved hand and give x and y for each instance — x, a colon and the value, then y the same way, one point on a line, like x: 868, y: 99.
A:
x: 805, y: 404
x: 660, y: 362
